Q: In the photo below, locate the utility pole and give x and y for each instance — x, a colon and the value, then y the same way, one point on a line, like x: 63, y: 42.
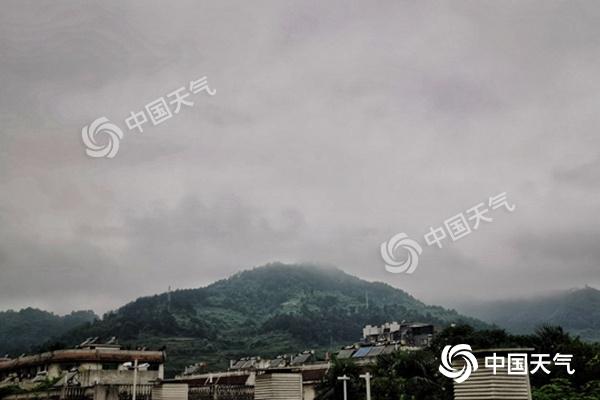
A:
x: 135, y: 369
x: 345, y: 380
x: 128, y: 365
x: 367, y: 378
x: 168, y: 301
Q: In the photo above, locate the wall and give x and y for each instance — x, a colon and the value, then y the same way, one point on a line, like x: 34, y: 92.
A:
x: 115, y: 377
x: 308, y: 392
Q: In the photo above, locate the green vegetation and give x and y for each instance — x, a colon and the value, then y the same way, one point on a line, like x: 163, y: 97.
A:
x: 43, y: 386
x: 415, y: 376
x: 21, y: 331
x: 562, y: 389
x: 577, y: 311
x: 266, y: 311
x: 281, y: 309
x: 11, y: 389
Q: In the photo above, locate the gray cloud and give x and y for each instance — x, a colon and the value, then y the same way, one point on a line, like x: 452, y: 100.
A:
x: 334, y: 126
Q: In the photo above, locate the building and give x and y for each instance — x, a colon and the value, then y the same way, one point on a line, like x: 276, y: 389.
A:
x: 406, y: 334
x: 388, y: 332
x: 484, y: 384
x: 90, y: 368
x: 278, y: 386
x: 247, y: 378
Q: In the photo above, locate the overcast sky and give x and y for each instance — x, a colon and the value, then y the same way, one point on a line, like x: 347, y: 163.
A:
x: 335, y: 125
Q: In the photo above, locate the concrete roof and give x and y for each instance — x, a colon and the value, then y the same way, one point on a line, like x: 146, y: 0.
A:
x: 83, y: 355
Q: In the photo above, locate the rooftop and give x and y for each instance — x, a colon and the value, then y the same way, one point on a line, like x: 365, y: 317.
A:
x: 108, y: 355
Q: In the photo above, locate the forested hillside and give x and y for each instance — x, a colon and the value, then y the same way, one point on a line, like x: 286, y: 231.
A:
x: 577, y: 311
x: 21, y: 331
x: 268, y: 310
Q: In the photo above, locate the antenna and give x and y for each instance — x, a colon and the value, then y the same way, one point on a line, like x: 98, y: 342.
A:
x: 169, y: 299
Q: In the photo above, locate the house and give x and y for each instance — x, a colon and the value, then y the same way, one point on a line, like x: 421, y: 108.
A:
x: 406, y: 334
x: 499, y: 384
x: 291, y: 376
x: 89, y: 368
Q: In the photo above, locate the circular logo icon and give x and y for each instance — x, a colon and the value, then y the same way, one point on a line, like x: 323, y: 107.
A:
x: 460, y: 350
x: 390, y: 252
x: 107, y: 148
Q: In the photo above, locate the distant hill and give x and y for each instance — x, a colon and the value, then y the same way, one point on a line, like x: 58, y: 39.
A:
x: 265, y: 311
x: 21, y: 331
x: 577, y: 311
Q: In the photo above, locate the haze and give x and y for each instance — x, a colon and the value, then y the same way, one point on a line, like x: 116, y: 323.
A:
x: 335, y: 125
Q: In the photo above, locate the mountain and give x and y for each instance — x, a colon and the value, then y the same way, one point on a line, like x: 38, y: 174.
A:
x: 21, y: 331
x: 266, y: 311
x: 577, y: 311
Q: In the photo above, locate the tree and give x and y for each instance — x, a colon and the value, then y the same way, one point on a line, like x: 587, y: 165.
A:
x: 331, y: 388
